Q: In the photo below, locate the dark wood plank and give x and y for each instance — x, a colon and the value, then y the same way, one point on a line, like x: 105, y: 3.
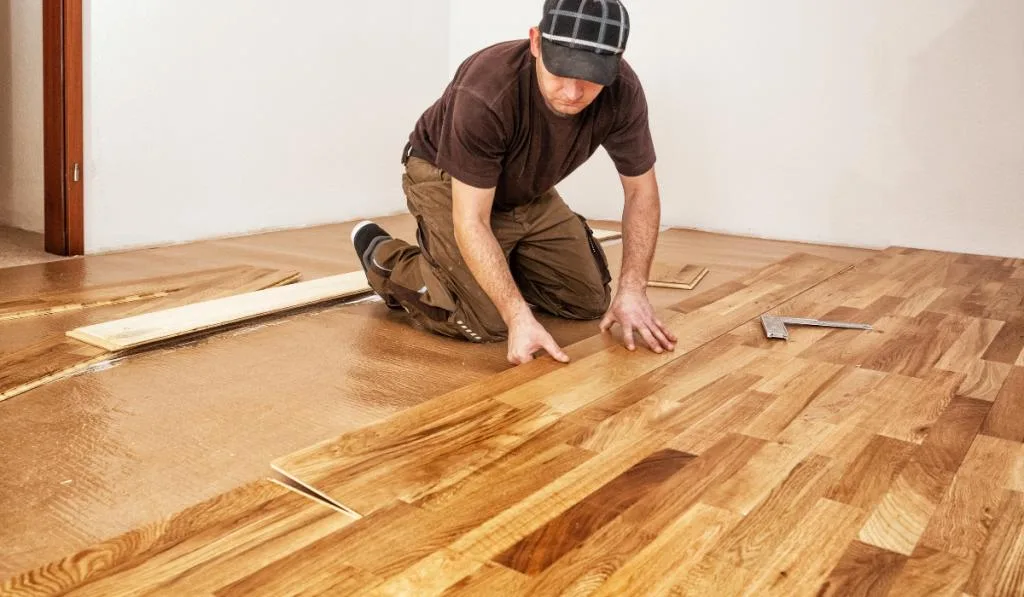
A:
x: 864, y: 571
x: 1008, y: 343
x: 1006, y: 419
x: 537, y: 551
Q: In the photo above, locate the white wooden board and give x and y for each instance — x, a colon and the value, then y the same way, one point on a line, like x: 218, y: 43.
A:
x: 144, y: 329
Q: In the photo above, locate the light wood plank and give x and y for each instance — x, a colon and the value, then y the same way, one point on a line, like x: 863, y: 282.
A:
x: 153, y: 327
x: 56, y: 356
x: 197, y: 551
x: 999, y: 569
x: 686, y: 277
x: 971, y: 345
x: 984, y: 379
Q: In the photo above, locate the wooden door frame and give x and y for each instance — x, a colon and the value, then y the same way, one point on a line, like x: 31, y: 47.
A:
x: 63, y: 127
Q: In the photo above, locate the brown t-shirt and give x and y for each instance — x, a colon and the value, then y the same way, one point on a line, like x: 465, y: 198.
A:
x: 492, y: 128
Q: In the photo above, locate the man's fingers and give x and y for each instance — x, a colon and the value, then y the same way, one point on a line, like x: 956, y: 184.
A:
x: 607, y: 323
x: 627, y: 336
x: 555, y: 351
x: 653, y: 344
x: 667, y: 332
x: 659, y: 335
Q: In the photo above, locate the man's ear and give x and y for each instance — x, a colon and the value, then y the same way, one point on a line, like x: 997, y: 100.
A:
x: 535, y: 41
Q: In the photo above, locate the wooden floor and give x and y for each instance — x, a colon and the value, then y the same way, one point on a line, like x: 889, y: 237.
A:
x: 21, y: 247
x: 100, y: 454
x: 839, y: 463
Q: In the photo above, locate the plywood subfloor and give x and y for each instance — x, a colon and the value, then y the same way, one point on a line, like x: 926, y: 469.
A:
x: 100, y: 454
x: 842, y: 462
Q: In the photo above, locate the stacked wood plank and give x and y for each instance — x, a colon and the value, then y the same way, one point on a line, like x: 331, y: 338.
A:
x: 838, y: 463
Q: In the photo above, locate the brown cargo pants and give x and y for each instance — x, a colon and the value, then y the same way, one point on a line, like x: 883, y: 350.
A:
x: 551, y: 251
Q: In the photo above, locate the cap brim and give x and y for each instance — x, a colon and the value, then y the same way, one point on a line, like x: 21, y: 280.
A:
x: 570, y: 63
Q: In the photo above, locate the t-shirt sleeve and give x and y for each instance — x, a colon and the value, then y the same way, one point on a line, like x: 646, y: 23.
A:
x: 472, y: 143
x: 630, y: 144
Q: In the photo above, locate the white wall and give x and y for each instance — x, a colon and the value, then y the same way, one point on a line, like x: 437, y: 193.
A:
x: 871, y: 123
x: 208, y: 118
x: 21, y: 114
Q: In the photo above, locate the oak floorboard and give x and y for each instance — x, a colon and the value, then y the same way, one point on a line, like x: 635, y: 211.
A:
x: 737, y: 466
x: 863, y: 571
x: 1006, y: 419
x: 199, y: 550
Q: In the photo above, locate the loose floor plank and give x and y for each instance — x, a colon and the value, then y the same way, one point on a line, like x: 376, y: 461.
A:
x: 686, y: 277
x: 153, y: 327
x: 57, y: 356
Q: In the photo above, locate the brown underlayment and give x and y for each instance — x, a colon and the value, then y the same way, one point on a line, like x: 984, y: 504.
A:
x: 99, y: 454
x: 841, y: 462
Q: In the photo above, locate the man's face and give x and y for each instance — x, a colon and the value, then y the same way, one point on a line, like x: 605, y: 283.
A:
x: 565, y: 97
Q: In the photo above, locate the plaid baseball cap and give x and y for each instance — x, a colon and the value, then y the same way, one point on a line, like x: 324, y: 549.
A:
x: 584, y: 39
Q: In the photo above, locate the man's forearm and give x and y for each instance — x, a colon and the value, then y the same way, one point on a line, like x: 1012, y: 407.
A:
x: 640, y: 221
x: 486, y: 261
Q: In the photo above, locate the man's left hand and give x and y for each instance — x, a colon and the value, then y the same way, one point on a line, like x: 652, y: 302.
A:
x: 633, y: 311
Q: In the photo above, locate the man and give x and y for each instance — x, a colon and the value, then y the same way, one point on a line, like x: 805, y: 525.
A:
x: 480, y: 171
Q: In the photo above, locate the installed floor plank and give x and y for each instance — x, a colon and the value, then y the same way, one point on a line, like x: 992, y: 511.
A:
x: 72, y: 446
x: 729, y: 468
x: 200, y: 550
x: 564, y: 389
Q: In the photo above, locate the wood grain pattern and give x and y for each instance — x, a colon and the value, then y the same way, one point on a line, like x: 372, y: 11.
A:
x: 196, y: 551
x: 154, y: 326
x: 730, y: 467
x: 999, y: 569
x: 55, y: 356
x: 1006, y: 419
x: 863, y: 571
x: 686, y: 277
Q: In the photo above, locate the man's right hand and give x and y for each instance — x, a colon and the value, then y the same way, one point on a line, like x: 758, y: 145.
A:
x: 526, y: 336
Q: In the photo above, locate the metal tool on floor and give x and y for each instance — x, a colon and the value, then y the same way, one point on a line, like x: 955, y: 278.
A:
x: 775, y: 325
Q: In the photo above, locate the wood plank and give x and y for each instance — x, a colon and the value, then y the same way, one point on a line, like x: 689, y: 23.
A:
x: 971, y: 345
x: 153, y: 327
x: 56, y: 356
x: 905, y: 511
x: 932, y: 572
x: 491, y: 579
x: 863, y: 571
x: 1006, y: 419
x: 1008, y: 344
x: 330, y: 467
x: 984, y: 379
x: 544, y: 546
x: 754, y: 542
x: 807, y: 555
x: 196, y: 551
x: 601, y: 235
x: 686, y: 277
x: 869, y: 477
x: 962, y: 521
x: 915, y: 415
x: 655, y: 568
x: 999, y: 569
